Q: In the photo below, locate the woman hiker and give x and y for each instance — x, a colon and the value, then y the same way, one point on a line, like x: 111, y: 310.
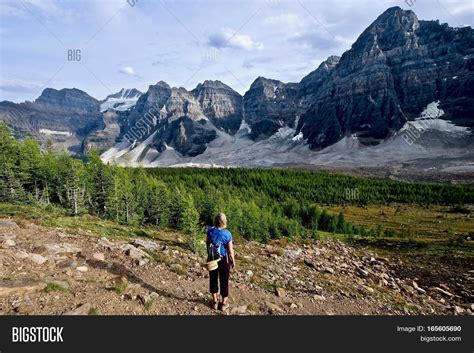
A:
x: 219, y: 246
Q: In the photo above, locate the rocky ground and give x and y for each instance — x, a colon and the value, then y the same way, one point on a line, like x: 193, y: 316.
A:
x: 51, y: 271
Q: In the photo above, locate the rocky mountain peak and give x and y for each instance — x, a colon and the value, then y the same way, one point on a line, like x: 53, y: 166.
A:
x: 68, y: 99
x: 212, y: 84
x: 392, y: 29
x: 311, y: 83
x: 125, y: 93
x: 221, y: 104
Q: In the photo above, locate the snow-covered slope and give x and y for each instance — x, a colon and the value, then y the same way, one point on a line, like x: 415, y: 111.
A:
x: 121, y: 101
x: 437, y: 139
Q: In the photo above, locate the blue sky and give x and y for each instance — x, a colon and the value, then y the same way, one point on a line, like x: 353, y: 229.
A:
x: 182, y: 42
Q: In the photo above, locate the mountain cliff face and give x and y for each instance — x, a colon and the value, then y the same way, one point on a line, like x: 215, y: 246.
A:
x: 397, y: 68
x: 72, y: 100
x: 268, y: 106
x: 64, y: 117
x: 221, y: 104
x: 183, y: 120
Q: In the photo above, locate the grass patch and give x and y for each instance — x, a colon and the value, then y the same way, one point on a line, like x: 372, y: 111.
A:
x: 149, y: 304
x: 56, y: 217
x: 408, y: 220
x: 119, y: 287
x: 54, y: 287
x: 178, y: 269
x: 93, y: 312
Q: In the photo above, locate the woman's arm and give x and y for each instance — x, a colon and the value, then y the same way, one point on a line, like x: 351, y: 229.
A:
x: 230, y: 247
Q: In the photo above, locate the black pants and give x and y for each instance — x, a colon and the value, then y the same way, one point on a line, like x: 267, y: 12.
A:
x: 222, y: 272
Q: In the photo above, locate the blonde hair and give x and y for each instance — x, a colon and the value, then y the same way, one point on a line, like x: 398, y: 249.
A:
x: 220, y: 221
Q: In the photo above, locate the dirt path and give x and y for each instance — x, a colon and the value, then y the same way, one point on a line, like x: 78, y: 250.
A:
x: 50, y: 271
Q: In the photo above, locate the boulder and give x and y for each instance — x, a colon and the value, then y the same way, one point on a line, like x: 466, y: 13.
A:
x: 82, y: 268
x: 280, y: 292
x: 83, y: 309
x: 135, y: 253
x: 61, y: 248
x: 147, y: 244
x: 37, y: 259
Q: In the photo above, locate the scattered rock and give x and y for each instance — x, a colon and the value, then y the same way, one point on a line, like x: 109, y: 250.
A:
x: 129, y: 296
x: 21, y: 254
x: 106, y: 243
x: 310, y: 263
x: 280, y: 292
x: 136, y: 254
x: 82, y: 268
x: 362, y: 272
x: 293, y: 306
x: 62, y: 248
x: 458, y: 310
x: 317, y: 288
x: 292, y: 253
x: 6, y: 223
x: 420, y: 290
x: 145, y: 299
x: 80, y: 310
x: 319, y: 297
x: 329, y: 270
x: 26, y: 307
x: 121, y: 279
x: 37, y: 259
x: 98, y: 256
x: 20, y: 287
x: 68, y: 263
x: 273, y: 307
x: 10, y: 242
x: 369, y: 289
x: 147, y: 244
x: 239, y: 310
x: 442, y: 291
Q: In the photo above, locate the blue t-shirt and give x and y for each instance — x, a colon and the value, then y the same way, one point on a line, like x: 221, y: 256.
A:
x: 219, y: 238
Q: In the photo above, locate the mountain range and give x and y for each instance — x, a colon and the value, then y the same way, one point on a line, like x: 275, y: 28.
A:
x: 402, y: 95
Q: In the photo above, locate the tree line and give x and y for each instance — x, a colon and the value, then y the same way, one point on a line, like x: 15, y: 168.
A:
x: 261, y: 204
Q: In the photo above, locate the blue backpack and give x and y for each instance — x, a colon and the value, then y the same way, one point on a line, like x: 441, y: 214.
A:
x: 213, y: 249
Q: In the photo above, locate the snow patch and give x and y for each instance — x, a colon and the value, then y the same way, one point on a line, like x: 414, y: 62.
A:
x: 55, y: 132
x: 430, y: 119
x: 122, y: 103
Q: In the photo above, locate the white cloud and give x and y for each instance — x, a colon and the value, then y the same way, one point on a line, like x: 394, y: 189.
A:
x: 467, y: 7
x: 21, y: 86
x: 128, y: 70
x: 284, y: 20
x: 227, y: 38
